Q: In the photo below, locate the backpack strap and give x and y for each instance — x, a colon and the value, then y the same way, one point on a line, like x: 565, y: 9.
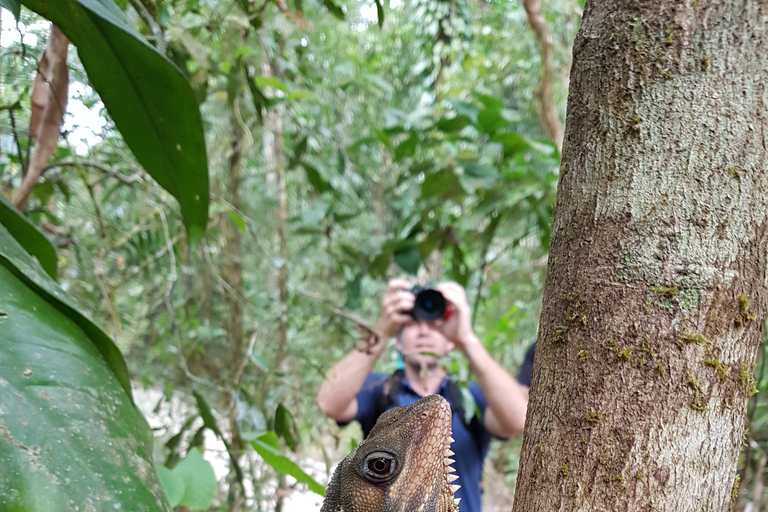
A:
x: 387, y: 399
x: 388, y: 396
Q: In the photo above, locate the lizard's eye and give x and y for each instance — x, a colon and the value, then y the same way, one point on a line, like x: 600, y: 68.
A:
x: 379, y: 466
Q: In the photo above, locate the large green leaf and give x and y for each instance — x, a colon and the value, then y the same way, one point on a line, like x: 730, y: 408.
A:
x: 30, y: 238
x: 199, y: 481
x: 266, y: 445
x: 13, y: 6
x: 70, y: 437
x: 151, y: 102
x: 14, y: 258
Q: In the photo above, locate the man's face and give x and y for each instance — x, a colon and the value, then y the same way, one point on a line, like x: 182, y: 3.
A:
x: 421, y: 342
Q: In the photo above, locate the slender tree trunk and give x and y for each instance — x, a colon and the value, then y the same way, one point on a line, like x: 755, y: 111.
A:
x: 656, y: 290
x: 232, y: 273
x: 274, y: 149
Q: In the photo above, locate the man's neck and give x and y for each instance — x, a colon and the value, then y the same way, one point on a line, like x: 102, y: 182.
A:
x: 425, y: 379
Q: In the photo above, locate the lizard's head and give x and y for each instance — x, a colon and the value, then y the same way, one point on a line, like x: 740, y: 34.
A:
x: 404, y: 465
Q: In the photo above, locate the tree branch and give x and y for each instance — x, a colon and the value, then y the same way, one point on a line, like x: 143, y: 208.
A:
x: 549, y: 116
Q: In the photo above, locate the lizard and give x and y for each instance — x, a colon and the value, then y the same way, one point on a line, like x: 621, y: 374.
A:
x: 404, y: 465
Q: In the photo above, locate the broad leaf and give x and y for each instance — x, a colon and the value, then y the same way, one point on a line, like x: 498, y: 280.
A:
x: 15, y: 259
x: 146, y: 95
x: 453, y: 124
x: 69, y: 434
x: 172, y: 484
x: 199, y: 481
x: 409, y: 259
x: 265, y: 444
x: 285, y: 426
x: 31, y: 239
x: 513, y: 143
x: 334, y: 9
x: 13, y: 6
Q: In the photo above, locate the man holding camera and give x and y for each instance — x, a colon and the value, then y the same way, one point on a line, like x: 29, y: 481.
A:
x: 428, y: 324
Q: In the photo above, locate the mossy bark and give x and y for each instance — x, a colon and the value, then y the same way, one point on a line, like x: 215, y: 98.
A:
x: 657, y: 289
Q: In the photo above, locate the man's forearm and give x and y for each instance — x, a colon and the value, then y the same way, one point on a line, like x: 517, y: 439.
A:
x: 506, y: 399
x: 345, y: 379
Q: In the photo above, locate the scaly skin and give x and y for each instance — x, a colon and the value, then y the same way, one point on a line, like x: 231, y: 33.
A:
x: 403, y: 466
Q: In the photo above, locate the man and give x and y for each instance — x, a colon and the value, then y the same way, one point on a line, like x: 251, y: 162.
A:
x: 352, y: 392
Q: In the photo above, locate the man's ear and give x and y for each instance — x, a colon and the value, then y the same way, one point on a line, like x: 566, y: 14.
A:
x: 451, y: 346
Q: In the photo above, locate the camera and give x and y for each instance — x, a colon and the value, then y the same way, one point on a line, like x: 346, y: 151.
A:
x: 429, y: 305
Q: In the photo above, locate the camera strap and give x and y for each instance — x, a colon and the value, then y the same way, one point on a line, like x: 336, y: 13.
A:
x: 387, y: 399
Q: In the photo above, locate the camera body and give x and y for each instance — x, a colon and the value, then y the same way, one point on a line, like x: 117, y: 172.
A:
x: 429, y: 305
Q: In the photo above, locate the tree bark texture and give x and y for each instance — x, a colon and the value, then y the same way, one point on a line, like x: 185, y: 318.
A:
x: 232, y: 274
x: 656, y: 292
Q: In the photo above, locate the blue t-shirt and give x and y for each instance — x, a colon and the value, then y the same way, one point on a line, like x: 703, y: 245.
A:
x: 470, y: 445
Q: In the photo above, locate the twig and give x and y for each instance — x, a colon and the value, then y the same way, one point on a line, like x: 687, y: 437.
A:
x: 341, y: 311
x: 18, y: 144
x: 167, y: 301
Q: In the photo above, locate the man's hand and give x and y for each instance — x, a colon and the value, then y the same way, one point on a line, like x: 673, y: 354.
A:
x: 458, y: 327
x: 394, y: 307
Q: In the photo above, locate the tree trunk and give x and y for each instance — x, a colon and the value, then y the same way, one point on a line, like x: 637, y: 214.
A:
x: 656, y: 289
x: 232, y: 274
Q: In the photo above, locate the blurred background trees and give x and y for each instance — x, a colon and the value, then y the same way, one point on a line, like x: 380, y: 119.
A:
x: 347, y: 144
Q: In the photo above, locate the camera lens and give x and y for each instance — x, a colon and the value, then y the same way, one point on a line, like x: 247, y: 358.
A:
x: 429, y: 305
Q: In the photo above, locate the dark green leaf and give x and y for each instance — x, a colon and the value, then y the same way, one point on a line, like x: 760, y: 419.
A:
x: 341, y: 161
x: 29, y: 237
x: 409, y: 259
x: 479, y: 171
x: 285, y: 426
x: 70, y: 432
x: 513, y: 143
x: 151, y: 102
x: 13, y: 6
x: 334, y: 9
x: 490, y: 120
x: 459, y: 271
x: 16, y: 259
x: 205, y: 412
x: 266, y: 445
x: 270, y: 81
x: 380, y: 13
x: 379, y: 265
x: 385, y: 139
x: 406, y: 148
x: 430, y: 243
x: 452, y: 125
x: 238, y: 220
x: 444, y: 184
x: 199, y: 480
x: 489, y: 102
x: 209, y: 421
x: 352, y: 290
x: 465, y: 109
x: 320, y: 184
x: 298, y: 153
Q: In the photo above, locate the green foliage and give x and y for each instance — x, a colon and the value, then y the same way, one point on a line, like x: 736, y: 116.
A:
x: 267, y: 446
x: 12, y: 5
x: 29, y: 237
x: 161, y: 124
x: 70, y: 433
x: 197, y: 479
